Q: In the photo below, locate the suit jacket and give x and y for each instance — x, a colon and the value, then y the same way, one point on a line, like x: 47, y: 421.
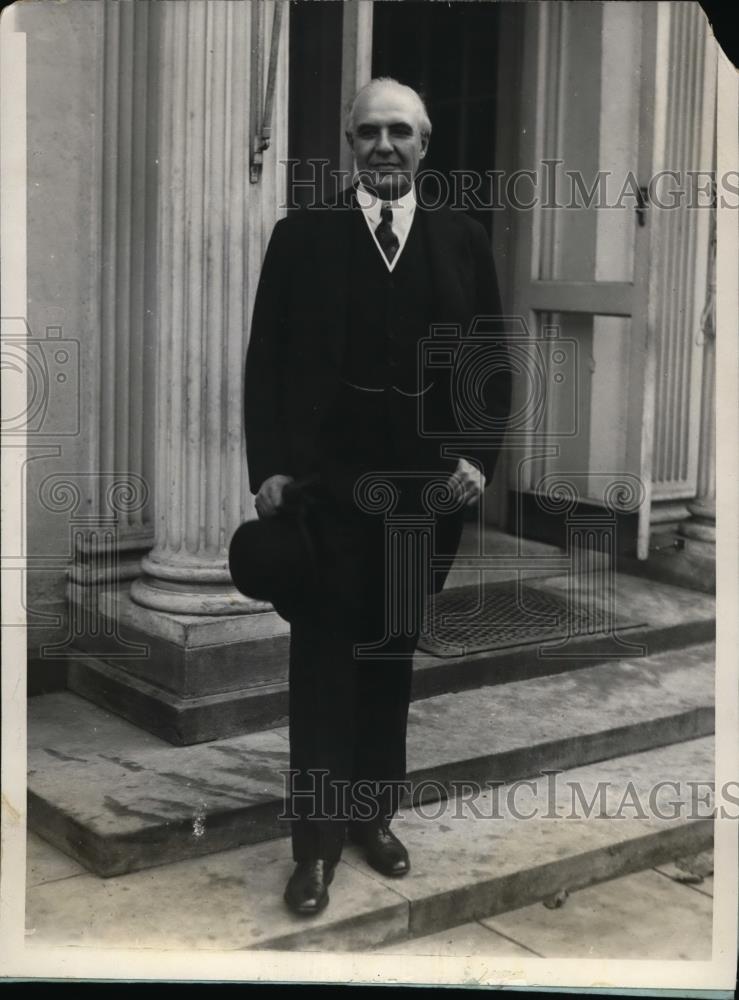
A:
x: 298, y: 332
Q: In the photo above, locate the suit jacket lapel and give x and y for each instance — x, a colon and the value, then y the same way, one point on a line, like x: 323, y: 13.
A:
x: 450, y: 267
x: 339, y: 227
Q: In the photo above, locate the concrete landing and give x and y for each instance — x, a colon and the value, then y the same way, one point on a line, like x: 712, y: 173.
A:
x: 118, y: 799
x: 640, y: 916
x: 472, y: 860
x: 680, y: 928
x: 664, y: 617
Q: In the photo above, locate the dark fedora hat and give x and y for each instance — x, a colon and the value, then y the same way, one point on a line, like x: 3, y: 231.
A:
x: 275, y: 558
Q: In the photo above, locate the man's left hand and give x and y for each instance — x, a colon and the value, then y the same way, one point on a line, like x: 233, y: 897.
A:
x: 468, y: 478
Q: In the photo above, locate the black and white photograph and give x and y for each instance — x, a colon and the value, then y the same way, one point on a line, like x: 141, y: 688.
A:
x: 369, y: 470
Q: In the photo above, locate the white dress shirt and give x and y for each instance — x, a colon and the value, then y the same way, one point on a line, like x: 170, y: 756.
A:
x: 403, y: 211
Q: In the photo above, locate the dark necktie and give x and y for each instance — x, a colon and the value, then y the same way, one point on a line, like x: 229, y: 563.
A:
x: 385, y: 235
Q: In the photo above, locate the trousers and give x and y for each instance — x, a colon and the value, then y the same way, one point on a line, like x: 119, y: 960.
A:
x: 348, y: 722
x: 348, y: 713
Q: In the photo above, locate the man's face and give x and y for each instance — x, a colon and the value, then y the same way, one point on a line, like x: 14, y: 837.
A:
x: 386, y: 141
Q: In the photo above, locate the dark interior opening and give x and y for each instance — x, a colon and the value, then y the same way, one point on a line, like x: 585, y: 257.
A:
x: 314, y: 102
x: 447, y: 52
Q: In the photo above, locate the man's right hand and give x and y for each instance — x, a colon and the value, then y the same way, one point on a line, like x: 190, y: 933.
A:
x: 269, y: 498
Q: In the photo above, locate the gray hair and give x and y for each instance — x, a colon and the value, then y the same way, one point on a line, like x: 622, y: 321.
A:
x: 424, y: 122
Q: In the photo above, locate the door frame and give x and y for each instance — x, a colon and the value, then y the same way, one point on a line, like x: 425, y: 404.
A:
x: 356, y: 63
x: 608, y: 298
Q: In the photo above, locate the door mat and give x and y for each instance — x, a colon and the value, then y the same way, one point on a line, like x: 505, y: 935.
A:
x: 476, y: 618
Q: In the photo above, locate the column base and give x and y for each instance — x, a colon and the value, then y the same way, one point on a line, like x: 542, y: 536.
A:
x: 96, y: 563
x: 193, y: 598
x: 188, y: 585
x: 185, y: 678
x: 180, y: 721
x: 676, y: 559
x: 702, y: 531
x: 702, y: 522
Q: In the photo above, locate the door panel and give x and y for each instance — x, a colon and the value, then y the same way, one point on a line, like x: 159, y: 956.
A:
x: 580, y: 263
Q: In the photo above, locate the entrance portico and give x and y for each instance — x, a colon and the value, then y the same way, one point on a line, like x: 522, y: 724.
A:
x: 196, y: 114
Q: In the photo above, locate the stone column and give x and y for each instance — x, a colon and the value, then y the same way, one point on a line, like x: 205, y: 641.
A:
x: 701, y: 526
x: 121, y: 447
x: 190, y: 658
x: 213, y: 226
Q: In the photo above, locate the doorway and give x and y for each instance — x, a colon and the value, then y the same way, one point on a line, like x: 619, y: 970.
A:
x: 447, y: 52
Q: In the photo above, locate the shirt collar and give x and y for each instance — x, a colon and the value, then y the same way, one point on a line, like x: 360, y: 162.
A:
x: 372, y: 205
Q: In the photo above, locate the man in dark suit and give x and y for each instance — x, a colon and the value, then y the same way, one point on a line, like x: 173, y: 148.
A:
x: 332, y: 393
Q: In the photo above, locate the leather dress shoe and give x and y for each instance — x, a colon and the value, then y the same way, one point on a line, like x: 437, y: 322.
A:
x: 306, y: 892
x: 383, y: 851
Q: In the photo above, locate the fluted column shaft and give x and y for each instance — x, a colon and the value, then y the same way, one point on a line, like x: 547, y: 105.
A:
x: 122, y: 366
x: 212, y: 229
x: 702, y: 524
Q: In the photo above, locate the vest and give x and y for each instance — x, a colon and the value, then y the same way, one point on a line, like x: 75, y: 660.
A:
x: 388, y: 311
x: 373, y: 420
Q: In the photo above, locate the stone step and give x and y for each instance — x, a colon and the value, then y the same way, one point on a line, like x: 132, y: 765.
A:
x: 471, y: 860
x: 658, y: 617
x: 192, y: 678
x: 118, y: 799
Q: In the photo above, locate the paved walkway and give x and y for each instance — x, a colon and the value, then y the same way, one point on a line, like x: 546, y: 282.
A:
x: 649, y: 915
x: 654, y: 914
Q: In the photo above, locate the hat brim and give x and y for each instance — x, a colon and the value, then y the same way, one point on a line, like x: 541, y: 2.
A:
x: 274, y: 559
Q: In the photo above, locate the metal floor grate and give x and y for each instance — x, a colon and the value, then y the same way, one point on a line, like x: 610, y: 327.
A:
x: 472, y: 619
